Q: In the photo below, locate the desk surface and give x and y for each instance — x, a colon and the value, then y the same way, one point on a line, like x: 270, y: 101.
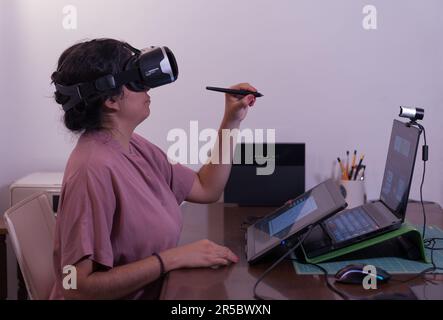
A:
x: 221, y: 223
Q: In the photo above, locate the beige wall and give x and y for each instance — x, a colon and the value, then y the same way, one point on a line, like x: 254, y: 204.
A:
x: 327, y: 81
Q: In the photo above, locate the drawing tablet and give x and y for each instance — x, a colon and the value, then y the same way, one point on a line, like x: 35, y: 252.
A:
x: 311, y: 207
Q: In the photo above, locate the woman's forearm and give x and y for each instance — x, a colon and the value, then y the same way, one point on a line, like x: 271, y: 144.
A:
x: 115, y: 283
x: 214, y: 175
x: 121, y: 281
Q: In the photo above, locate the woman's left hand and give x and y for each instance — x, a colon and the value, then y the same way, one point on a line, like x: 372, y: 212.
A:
x: 236, y: 107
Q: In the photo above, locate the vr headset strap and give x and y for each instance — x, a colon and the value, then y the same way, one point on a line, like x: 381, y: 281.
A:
x: 83, y: 91
x: 73, y: 92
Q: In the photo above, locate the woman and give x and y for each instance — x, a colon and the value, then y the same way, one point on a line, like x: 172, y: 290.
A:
x: 119, y: 219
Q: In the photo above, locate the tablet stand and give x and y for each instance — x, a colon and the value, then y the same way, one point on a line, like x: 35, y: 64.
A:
x: 405, y: 242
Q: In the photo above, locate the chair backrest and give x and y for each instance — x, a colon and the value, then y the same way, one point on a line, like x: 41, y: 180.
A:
x: 31, y: 225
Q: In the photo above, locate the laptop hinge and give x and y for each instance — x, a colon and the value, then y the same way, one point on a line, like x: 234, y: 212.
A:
x: 400, y: 215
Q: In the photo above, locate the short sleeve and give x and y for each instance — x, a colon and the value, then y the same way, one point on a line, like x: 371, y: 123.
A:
x: 182, y: 179
x: 179, y: 177
x: 85, y: 217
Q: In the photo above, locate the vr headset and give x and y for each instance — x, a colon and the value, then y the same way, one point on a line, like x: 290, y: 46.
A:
x: 147, y: 68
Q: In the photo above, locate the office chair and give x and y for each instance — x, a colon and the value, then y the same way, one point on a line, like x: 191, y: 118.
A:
x: 31, y: 225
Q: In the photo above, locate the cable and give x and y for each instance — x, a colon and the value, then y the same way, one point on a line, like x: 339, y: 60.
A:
x: 425, y: 151
x: 431, y: 242
x: 329, y: 285
x: 264, y: 274
x: 418, y: 275
x: 425, y: 158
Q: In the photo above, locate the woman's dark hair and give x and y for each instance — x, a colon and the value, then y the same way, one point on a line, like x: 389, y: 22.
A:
x: 85, y: 62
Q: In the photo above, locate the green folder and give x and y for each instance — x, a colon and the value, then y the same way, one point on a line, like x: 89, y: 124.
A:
x: 406, y: 230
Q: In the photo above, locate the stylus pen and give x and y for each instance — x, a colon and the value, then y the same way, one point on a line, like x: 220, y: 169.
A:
x: 235, y: 91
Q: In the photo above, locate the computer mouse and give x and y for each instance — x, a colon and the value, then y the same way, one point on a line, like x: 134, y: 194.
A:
x: 355, y: 274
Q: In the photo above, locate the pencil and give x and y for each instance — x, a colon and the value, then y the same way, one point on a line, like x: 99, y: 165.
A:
x: 344, y: 174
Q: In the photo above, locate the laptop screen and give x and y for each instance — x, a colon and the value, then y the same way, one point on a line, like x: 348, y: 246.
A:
x: 399, y: 167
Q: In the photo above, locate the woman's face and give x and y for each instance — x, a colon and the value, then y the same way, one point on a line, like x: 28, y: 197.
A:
x: 134, y: 106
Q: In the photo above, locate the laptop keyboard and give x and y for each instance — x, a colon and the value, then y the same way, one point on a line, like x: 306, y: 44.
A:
x: 350, y: 224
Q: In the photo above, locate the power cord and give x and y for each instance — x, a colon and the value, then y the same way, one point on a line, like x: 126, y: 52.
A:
x: 330, y: 285
x: 291, y: 250
x: 431, y: 242
x: 425, y: 156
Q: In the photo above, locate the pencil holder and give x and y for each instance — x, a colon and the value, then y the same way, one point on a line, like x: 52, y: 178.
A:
x: 354, y: 192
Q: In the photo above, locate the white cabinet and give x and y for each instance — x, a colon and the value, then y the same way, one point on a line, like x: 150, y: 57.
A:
x: 50, y: 182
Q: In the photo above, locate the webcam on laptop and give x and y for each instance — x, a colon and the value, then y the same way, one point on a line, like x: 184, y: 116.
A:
x: 412, y: 113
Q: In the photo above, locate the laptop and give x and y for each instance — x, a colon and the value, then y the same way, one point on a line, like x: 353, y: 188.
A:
x: 292, y: 219
x: 386, y: 214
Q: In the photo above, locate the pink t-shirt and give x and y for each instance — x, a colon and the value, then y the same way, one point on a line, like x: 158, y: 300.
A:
x: 118, y: 207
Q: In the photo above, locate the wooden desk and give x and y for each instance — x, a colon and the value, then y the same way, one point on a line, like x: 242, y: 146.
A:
x: 221, y: 223
x: 3, y: 273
